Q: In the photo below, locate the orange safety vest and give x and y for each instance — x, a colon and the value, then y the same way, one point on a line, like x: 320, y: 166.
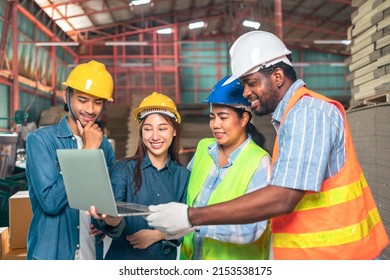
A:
x: 339, y: 222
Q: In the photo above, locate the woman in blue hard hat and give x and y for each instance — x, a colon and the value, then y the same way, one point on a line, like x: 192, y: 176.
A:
x: 234, y: 157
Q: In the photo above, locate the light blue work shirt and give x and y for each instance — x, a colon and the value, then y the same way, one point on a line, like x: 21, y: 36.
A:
x: 311, y: 142
x: 238, y: 234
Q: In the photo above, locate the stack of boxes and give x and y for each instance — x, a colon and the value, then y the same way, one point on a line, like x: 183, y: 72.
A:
x: 369, y: 115
x: 370, y: 128
x: 51, y: 116
x: 369, y: 62
x: 117, y: 127
x: 14, y: 238
x: 4, y: 242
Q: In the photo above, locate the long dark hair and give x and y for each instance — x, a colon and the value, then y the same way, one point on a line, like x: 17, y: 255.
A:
x: 141, y: 152
x: 250, y: 129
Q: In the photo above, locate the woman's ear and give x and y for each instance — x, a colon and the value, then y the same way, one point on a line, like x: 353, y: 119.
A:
x: 245, y: 119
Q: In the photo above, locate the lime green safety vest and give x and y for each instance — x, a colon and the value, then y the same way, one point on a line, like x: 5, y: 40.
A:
x: 233, y: 185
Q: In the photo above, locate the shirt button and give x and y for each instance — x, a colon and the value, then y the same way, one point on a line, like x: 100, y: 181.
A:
x: 78, y: 246
x: 158, y: 194
x: 73, y: 138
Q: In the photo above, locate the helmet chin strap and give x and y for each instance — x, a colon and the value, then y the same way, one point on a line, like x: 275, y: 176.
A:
x: 69, y: 105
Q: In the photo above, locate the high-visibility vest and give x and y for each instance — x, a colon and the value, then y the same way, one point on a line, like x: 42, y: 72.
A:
x: 339, y: 222
x: 233, y: 185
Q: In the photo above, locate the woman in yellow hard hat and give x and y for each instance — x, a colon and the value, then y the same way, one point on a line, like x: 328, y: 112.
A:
x: 57, y: 231
x: 153, y: 175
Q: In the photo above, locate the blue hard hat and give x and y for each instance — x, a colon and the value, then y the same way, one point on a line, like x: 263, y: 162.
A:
x: 229, y: 94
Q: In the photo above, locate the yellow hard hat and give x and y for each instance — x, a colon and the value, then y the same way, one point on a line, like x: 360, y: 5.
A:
x: 156, y: 103
x: 91, y: 78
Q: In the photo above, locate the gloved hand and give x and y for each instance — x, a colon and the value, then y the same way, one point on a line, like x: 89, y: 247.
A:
x: 179, y: 234
x: 171, y: 218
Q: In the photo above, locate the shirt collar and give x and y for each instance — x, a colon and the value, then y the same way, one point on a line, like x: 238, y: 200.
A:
x: 213, y: 150
x: 147, y: 163
x: 63, y: 129
x: 279, y: 111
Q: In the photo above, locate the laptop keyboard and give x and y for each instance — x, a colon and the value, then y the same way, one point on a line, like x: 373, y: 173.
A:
x: 123, y: 209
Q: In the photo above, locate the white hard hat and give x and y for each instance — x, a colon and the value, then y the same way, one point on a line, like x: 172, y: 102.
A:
x: 255, y: 50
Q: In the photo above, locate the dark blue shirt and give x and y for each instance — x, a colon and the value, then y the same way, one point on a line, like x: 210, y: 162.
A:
x: 53, y: 232
x: 158, y: 186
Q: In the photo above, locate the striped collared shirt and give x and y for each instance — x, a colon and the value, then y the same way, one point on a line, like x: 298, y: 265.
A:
x: 241, y: 234
x: 311, y: 142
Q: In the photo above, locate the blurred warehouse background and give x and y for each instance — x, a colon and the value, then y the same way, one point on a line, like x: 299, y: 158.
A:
x: 341, y: 48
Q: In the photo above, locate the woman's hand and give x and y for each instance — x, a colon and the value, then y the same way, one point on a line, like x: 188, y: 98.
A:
x: 144, y: 238
x: 109, y: 220
x: 95, y: 232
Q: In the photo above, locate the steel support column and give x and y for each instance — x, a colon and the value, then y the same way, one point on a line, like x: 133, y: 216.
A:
x: 15, y: 72
x: 4, y: 34
x: 54, y: 75
x: 176, y: 63
x: 278, y: 19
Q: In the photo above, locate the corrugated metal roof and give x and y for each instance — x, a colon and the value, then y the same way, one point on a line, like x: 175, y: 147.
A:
x: 302, y: 22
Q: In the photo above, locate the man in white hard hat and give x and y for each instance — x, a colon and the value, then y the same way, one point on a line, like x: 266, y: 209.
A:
x: 318, y: 200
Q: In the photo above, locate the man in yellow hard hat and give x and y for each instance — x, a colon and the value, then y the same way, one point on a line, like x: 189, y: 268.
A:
x: 56, y: 230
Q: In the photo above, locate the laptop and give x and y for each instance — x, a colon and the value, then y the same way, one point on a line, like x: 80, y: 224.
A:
x: 87, y: 182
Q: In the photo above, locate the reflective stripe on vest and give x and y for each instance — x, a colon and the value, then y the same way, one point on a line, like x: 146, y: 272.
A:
x: 233, y: 185
x: 339, y: 222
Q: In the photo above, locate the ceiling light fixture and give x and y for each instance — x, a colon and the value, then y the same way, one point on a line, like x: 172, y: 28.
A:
x: 47, y: 44
x: 120, y: 43
x: 337, y: 64
x: 322, y: 42
x: 165, y: 31
x: 139, y: 2
x: 318, y: 63
x: 198, y: 24
x: 252, y: 24
x: 301, y: 64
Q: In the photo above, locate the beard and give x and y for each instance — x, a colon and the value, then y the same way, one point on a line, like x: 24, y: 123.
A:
x: 268, y: 102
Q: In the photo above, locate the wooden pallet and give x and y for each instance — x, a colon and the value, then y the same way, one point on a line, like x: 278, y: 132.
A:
x: 377, y: 99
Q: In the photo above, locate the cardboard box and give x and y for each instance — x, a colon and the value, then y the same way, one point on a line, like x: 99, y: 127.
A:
x: 4, y: 241
x: 17, y: 254
x: 20, y: 215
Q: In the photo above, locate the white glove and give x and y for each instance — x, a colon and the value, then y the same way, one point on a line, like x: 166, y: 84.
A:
x: 171, y: 218
x: 179, y: 234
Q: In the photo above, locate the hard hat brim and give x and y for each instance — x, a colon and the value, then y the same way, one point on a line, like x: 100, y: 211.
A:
x: 257, y: 68
x: 138, y: 111
x: 80, y: 89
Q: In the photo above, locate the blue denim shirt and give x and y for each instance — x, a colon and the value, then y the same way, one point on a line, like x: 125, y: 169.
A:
x: 158, y: 186
x: 53, y: 232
